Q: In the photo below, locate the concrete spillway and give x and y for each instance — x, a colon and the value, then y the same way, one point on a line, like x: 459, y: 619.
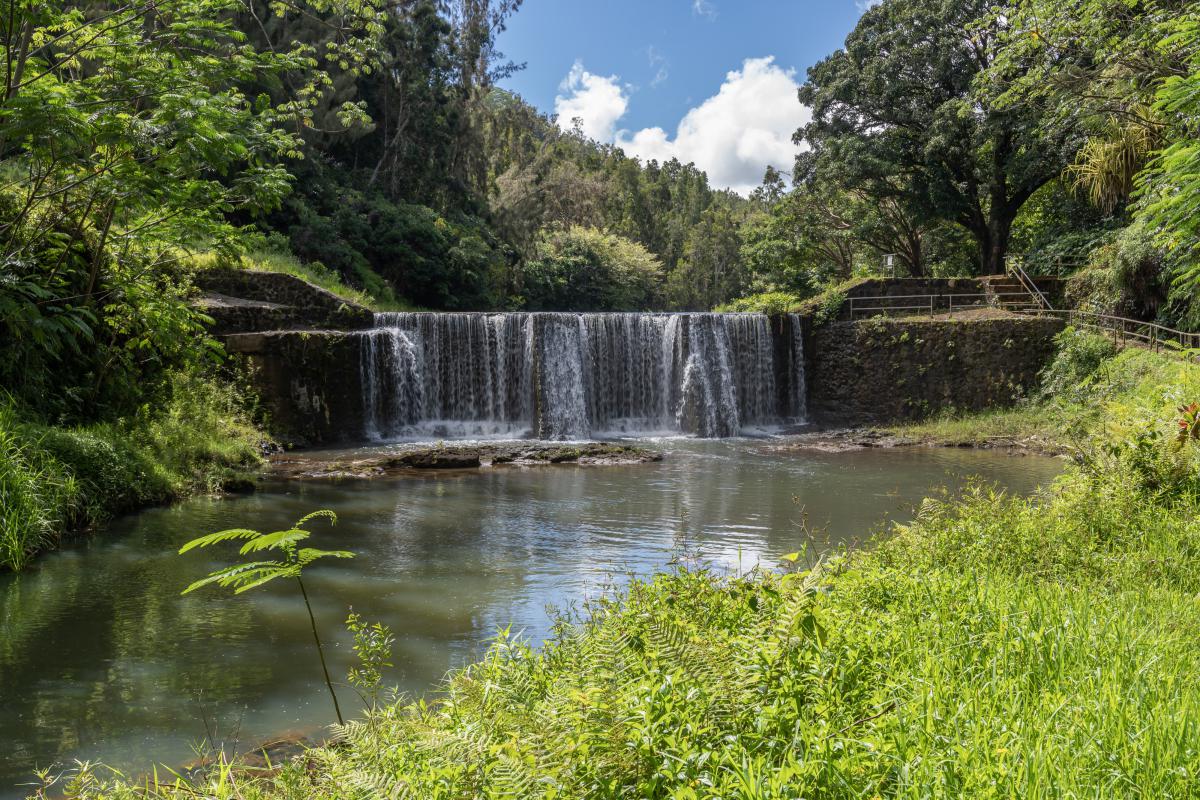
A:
x: 571, y: 376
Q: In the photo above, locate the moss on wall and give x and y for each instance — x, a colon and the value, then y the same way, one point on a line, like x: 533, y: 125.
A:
x: 883, y: 370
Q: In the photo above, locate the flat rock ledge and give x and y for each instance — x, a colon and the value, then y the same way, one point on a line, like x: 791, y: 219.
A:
x: 843, y: 440
x: 460, y: 457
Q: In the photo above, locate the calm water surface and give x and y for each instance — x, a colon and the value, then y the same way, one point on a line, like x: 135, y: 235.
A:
x: 101, y: 658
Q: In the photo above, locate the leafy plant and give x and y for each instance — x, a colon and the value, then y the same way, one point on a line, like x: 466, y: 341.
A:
x: 772, y: 303
x: 253, y: 574
x: 373, y: 647
x: 34, y: 495
x: 830, y: 306
x: 1080, y: 360
x: 1189, y: 424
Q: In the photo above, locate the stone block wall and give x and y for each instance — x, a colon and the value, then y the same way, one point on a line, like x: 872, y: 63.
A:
x: 883, y: 370
x: 894, y: 287
x: 244, y: 301
x: 869, y: 371
x: 310, y: 383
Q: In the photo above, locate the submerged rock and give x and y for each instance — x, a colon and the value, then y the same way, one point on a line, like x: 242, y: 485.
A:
x: 434, y: 459
x: 460, y: 457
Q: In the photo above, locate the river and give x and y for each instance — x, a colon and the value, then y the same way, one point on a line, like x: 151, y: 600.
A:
x: 101, y: 658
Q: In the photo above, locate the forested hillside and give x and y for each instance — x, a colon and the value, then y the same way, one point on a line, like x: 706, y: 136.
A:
x: 446, y: 192
x: 959, y: 135
x: 368, y: 145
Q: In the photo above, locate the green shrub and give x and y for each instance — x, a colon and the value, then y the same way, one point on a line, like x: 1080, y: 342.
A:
x: 765, y: 303
x: 1126, y: 277
x: 55, y: 479
x: 112, y: 474
x: 828, y: 306
x: 584, y: 269
x: 1080, y: 357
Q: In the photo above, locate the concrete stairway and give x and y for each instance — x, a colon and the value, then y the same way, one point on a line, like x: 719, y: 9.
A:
x: 1007, y: 292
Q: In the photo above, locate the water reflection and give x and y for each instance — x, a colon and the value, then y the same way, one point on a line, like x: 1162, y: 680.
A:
x: 101, y: 658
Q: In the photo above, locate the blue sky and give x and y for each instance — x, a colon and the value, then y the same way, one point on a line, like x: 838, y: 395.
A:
x: 708, y: 81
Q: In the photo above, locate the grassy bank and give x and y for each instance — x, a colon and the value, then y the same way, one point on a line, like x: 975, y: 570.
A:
x: 376, y: 294
x: 1091, y: 389
x: 823, y: 306
x: 57, y: 479
x: 996, y: 647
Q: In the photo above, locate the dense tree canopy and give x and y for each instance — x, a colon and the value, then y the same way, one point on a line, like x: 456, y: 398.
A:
x: 370, y: 138
x: 584, y: 269
x: 125, y: 136
x: 909, y: 115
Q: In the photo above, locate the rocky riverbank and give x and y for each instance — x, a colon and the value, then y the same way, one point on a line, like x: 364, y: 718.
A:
x: 841, y: 440
x: 458, y: 457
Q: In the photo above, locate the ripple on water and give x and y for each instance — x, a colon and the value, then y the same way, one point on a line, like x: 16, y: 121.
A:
x: 101, y: 658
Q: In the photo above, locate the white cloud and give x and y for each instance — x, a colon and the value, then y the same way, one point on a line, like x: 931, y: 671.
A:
x: 596, y: 101
x: 659, y: 63
x: 733, y: 135
x: 704, y: 8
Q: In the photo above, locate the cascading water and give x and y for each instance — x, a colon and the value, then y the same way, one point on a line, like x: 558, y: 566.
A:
x: 560, y: 377
x: 570, y: 376
x: 798, y: 386
x: 393, y: 388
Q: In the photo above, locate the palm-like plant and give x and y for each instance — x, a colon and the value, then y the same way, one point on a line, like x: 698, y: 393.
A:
x: 1107, y: 166
x: 291, y: 563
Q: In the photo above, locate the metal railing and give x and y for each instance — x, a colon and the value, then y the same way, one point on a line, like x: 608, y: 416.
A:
x: 1123, y: 330
x: 1126, y: 331
x: 1017, y: 271
x: 934, y: 304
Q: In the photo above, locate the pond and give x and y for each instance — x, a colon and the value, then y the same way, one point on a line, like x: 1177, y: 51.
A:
x: 102, y: 659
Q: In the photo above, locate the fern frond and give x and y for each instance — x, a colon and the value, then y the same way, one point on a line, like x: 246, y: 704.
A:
x: 307, y: 555
x: 218, y: 537
x: 278, y: 539
x: 226, y: 576
x: 332, y: 517
x: 247, y: 581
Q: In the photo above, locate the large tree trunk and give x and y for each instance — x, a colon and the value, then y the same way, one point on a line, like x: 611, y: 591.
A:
x: 995, y: 258
x: 915, y: 255
x: 992, y: 239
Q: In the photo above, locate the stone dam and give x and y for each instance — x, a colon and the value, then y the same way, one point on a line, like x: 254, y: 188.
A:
x: 336, y: 374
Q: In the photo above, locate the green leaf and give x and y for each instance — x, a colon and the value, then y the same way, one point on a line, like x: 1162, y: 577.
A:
x: 228, y: 574
x: 220, y: 536
x: 308, y: 555
x: 321, y: 513
x: 278, y: 540
x: 290, y: 572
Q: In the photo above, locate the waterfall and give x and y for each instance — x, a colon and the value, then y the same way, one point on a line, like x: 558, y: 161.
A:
x: 393, y: 396
x: 798, y: 386
x: 710, y: 406
x: 570, y: 376
x: 561, y: 373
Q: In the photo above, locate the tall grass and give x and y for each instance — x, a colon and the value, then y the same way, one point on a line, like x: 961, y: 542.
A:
x: 33, y: 499
x: 376, y: 294
x: 54, y: 479
x: 997, y: 647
